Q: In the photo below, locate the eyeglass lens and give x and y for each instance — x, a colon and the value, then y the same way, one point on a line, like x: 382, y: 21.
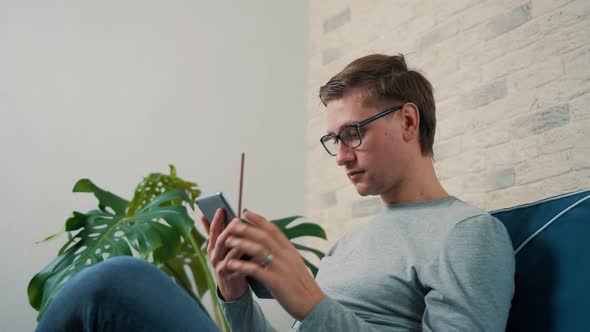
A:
x: 349, y: 135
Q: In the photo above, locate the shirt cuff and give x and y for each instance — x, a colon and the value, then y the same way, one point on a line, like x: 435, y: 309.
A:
x: 317, y: 314
x: 245, y: 298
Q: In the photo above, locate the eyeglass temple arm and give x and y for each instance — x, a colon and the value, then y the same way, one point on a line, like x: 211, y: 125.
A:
x: 378, y: 116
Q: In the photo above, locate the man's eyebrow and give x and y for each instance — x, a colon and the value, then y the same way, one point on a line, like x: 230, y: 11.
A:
x: 350, y: 123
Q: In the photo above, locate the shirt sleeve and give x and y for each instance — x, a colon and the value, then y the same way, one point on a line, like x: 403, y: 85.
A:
x: 473, y: 279
x: 244, y: 314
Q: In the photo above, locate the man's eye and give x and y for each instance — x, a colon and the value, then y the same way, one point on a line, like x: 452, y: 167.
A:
x: 330, y: 140
x: 349, y: 133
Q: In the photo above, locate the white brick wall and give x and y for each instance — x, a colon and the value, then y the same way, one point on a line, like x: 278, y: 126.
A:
x: 512, y: 84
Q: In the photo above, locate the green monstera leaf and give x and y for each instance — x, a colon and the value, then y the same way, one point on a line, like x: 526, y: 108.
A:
x: 156, y: 184
x: 155, y: 229
x: 301, y: 230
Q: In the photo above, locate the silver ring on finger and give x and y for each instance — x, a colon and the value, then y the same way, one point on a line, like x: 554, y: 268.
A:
x: 267, y: 260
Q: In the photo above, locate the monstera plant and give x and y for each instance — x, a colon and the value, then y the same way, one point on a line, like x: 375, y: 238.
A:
x: 156, y: 226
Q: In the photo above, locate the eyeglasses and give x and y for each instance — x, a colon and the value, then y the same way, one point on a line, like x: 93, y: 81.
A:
x: 351, y: 135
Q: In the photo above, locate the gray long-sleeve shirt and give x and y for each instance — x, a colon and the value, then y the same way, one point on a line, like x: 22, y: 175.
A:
x: 440, y: 265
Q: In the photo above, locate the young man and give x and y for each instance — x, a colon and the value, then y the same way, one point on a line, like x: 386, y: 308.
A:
x: 428, y: 262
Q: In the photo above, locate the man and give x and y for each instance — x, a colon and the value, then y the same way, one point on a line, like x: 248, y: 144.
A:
x: 427, y: 262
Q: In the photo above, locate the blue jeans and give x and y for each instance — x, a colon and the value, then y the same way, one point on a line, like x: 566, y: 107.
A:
x: 124, y: 294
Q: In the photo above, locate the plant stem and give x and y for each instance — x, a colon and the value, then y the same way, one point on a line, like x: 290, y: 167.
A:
x: 219, y: 317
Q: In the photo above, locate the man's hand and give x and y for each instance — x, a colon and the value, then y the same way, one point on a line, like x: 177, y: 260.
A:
x: 231, y: 285
x: 286, y: 276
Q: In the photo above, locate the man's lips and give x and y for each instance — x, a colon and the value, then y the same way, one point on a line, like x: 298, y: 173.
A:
x: 351, y: 173
x: 354, y: 175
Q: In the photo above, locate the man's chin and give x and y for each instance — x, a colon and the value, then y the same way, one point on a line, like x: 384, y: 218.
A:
x: 362, y: 190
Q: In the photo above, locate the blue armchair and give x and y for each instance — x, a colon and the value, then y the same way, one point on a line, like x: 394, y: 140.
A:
x: 552, y: 242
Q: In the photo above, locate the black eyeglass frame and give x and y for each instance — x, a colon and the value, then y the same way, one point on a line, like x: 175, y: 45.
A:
x: 358, y: 128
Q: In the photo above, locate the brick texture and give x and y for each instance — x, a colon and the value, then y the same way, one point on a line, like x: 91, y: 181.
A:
x: 512, y: 84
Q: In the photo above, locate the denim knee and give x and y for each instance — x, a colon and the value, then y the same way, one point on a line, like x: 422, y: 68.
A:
x: 127, y: 293
x: 114, y: 278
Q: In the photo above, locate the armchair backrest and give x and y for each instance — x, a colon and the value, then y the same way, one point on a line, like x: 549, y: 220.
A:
x: 552, y: 242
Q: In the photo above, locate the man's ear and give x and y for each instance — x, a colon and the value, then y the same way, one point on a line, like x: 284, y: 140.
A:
x: 410, y: 117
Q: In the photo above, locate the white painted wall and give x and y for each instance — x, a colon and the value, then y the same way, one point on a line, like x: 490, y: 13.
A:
x: 114, y: 90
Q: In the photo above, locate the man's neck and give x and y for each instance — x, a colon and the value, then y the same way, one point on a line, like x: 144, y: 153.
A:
x: 422, y: 185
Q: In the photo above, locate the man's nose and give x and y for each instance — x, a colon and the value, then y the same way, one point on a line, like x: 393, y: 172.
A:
x: 344, y: 154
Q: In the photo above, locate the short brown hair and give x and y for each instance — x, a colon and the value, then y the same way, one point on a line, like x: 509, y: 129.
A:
x: 384, y: 77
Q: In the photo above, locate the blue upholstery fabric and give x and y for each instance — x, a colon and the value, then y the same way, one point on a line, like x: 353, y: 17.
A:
x: 553, y: 270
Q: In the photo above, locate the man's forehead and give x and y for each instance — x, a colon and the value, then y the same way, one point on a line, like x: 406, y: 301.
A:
x: 342, y: 112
